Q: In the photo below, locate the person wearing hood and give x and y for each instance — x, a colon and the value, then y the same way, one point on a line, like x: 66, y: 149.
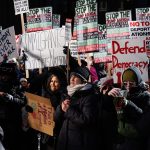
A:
x: 134, y: 111
x: 79, y: 113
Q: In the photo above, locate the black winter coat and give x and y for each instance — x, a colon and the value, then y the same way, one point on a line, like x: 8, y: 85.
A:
x: 137, y: 111
x: 79, y: 129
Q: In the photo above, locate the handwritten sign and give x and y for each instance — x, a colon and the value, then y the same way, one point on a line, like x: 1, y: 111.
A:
x: 7, y: 44
x: 21, y: 6
x: 42, y: 117
x: 44, y: 48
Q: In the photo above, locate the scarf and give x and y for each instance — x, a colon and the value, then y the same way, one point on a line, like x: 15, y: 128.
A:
x: 72, y: 90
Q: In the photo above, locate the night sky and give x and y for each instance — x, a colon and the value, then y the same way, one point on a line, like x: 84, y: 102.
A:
x: 65, y: 8
x: 8, y: 18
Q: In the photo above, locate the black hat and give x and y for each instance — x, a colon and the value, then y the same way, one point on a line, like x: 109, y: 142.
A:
x: 82, y: 72
x: 8, y: 69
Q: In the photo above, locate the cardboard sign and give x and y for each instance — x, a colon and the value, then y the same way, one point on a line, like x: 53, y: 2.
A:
x: 41, y: 118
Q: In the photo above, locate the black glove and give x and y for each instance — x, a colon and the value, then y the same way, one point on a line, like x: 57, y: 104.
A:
x: 65, y: 49
x: 28, y: 108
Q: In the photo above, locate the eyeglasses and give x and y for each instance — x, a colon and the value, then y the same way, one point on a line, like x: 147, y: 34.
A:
x: 129, y: 83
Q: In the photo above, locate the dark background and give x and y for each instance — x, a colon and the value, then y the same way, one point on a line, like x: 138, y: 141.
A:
x: 66, y: 9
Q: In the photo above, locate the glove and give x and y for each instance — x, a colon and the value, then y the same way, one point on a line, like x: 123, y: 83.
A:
x: 65, y: 50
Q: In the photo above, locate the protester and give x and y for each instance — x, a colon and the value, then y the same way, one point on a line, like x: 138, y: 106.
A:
x: 107, y: 115
x: 133, y: 111
x: 79, y: 113
x: 101, y: 71
x: 54, y: 86
x: 93, y: 71
x: 24, y: 85
x: 11, y: 102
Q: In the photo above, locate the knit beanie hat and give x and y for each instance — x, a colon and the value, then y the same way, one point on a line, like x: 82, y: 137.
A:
x: 81, y: 72
x: 130, y: 75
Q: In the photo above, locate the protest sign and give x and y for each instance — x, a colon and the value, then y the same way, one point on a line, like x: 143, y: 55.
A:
x: 143, y: 14
x: 7, y: 44
x: 39, y: 19
x: 68, y: 32
x: 141, y: 29
x: 87, y: 22
x: 21, y: 6
x: 41, y: 119
x: 44, y: 48
x: 127, y: 53
x: 117, y: 26
x: 56, y: 21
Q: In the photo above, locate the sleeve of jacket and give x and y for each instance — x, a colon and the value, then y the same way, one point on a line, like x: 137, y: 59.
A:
x: 15, y: 96
x: 143, y: 124
x: 58, y: 115
x: 133, y: 111
x: 86, y: 114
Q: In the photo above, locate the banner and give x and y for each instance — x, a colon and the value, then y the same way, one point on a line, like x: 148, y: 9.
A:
x: 44, y: 48
x: 41, y: 118
x: 7, y: 44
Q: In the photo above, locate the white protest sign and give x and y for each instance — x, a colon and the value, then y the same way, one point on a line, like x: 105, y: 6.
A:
x: 7, y: 44
x: 139, y: 28
x: 127, y: 53
x: 21, y: 6
x: 143, y: 14
x: 44, y: 48
x: 68, y: 33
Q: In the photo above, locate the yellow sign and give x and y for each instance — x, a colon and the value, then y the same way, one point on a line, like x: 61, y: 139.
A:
x: 41, y: 118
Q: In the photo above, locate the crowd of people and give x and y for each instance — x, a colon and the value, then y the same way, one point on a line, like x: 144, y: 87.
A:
x: 91, y: 112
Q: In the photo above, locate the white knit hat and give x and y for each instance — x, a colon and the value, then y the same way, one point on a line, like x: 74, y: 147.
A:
x: 23, y: 79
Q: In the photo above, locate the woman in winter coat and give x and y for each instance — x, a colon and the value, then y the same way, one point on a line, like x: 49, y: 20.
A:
x: 134, y: 113
x: 54, y: 88
x: 79, y: 113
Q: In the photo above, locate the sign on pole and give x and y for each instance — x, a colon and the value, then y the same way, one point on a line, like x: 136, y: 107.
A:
x: 21, y: 6
x: 41, y: 118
